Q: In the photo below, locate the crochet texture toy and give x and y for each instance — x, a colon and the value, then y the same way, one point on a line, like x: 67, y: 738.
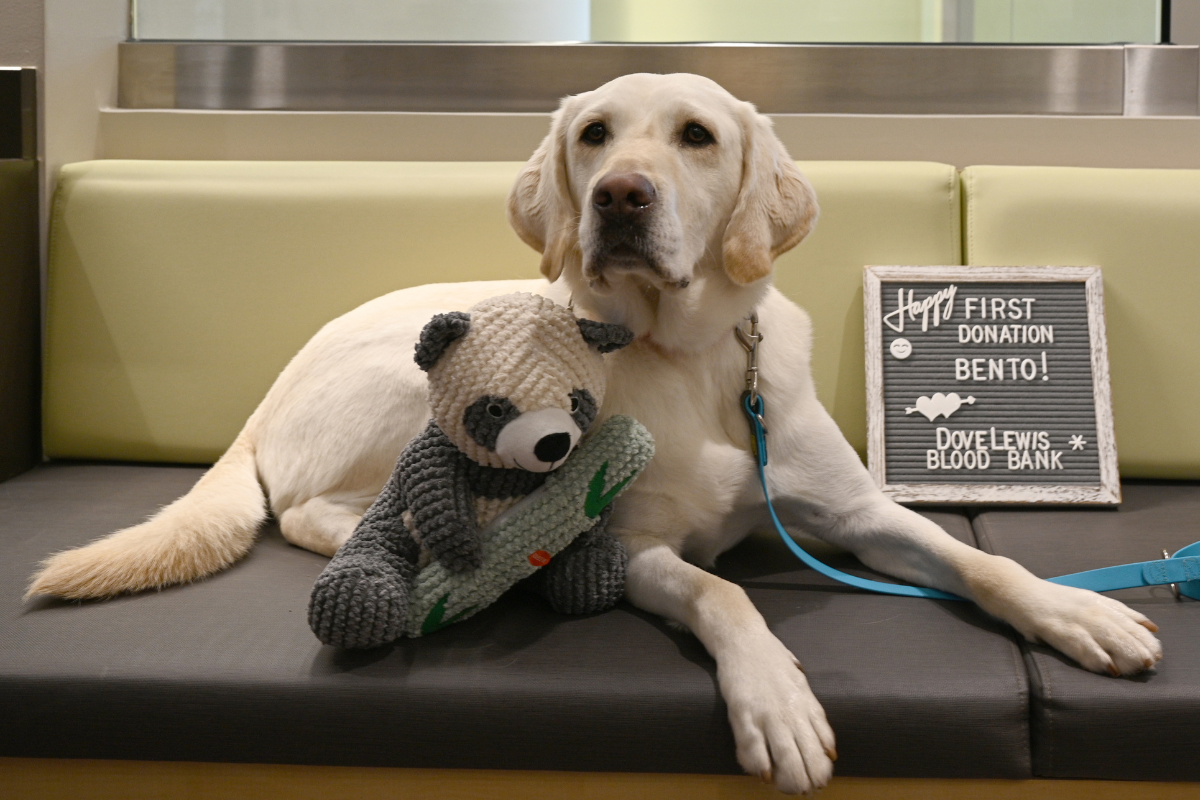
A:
x: 486, y: 496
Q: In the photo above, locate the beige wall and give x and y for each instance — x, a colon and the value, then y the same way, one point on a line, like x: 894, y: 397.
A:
x: 1185, y: 21
x: 79, y: 78
x: 81, y: 74
x: 21, y: 33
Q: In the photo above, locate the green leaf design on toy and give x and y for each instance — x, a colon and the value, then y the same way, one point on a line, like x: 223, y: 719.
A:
x: 433, y: 621
x: 597, y: 498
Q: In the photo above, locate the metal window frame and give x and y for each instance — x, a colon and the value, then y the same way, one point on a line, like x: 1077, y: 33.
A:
x: 1113, y: 80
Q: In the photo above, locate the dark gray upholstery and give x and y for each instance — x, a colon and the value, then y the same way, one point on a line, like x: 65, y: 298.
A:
x: 1094, y: 726
x: 913, y: 688
x: 227, y: 670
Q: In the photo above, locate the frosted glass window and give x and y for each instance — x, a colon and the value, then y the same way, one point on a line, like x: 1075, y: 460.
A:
x: 363, y: 20
x: 991, y: 21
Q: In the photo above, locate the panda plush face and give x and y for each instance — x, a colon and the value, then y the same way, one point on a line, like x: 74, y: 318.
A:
x: 518, y: 380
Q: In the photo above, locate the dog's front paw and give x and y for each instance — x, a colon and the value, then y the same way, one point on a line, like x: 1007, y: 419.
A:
x: 1102, y: 634
x: 780, y: 728
x: 358, y: 605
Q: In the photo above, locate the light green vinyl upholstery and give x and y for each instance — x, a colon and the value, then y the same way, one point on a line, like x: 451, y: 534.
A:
x: 1142, y: 227
x: 179, y: 290
x: 872, y: 212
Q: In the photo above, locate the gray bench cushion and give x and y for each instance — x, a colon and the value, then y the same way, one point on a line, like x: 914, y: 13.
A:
x: 1094, y: 726
x: 227, y: 670
x: 913, y: 688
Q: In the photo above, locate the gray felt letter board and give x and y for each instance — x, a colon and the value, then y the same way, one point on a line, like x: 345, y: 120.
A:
x: 989, y: 385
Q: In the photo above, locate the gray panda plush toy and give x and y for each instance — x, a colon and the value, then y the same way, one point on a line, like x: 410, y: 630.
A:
x: 513, y: 386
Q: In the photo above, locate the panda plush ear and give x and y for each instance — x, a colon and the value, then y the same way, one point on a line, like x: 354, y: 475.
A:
x: 438, y: 334
x: 604, y: 337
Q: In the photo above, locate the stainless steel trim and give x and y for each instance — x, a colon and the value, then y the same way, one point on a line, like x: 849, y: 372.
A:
x: 1162, y: 80
x: 837, y: 79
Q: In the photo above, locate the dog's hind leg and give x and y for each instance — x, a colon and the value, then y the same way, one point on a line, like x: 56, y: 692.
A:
x: 319, y: 524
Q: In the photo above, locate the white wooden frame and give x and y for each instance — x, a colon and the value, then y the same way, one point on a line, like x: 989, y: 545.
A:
x: 1106, y: 493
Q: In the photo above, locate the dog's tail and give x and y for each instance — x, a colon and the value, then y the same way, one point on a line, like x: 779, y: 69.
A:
x: 202, y: 532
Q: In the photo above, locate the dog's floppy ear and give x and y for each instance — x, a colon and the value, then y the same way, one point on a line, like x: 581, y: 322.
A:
x: 604, y: 337
x: 540, y: 209
x: 776, y: 206
x: 437, y: 335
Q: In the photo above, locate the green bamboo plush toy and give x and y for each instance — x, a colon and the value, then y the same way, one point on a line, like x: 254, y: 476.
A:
x: 495, y: 490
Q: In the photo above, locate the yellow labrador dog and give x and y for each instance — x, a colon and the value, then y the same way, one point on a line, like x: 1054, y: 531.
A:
x: 660, y: 202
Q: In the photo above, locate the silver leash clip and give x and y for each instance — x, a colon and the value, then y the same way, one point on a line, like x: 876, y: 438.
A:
x: 752, y: 402
x: 750, y: 342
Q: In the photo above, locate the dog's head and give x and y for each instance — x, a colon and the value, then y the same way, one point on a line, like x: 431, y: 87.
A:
x: 660, y: 180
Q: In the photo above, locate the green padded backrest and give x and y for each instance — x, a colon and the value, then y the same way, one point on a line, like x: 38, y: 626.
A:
x: 871, y: 213
x: 179, y: 290
x: 1142, y: 227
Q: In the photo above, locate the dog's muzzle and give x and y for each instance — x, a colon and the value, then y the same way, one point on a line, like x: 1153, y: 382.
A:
x: 624, y: 205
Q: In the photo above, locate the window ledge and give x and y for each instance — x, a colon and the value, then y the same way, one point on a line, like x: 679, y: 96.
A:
x: 1111, y: 80
x: 961, y: 140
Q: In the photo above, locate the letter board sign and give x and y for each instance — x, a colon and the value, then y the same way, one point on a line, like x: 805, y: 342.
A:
x: 989, y: 385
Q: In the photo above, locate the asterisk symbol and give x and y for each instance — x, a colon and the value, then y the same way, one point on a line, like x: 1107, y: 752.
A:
x: 1077, y: 442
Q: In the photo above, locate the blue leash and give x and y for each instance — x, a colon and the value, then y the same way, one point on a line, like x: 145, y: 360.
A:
x: 1182, y: 569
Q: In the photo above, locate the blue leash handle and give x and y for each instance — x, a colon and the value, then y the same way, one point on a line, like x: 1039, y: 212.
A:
x: 1182, y: 569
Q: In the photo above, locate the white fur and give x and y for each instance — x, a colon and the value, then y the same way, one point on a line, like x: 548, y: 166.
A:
x: 325, y: 438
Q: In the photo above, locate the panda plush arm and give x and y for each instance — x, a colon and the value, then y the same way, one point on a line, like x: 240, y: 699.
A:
x: 436, y: 487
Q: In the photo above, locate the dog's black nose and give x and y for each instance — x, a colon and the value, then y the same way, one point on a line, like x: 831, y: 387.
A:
x: 623, y: 196
x: 552, y: 447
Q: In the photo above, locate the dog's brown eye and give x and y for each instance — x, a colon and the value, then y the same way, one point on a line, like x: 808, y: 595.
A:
x: 495, y: 409
x: 595, y: 133
x: 696, y: 135
x: 574, y: 404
